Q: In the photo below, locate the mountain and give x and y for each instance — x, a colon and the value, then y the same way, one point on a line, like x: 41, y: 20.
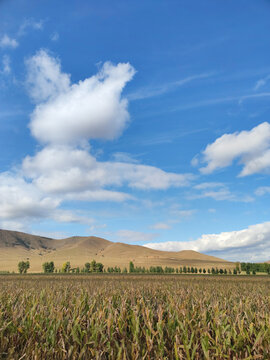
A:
x: 16, y: 246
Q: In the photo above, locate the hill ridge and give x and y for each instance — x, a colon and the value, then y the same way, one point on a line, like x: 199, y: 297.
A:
x: 16, y: 246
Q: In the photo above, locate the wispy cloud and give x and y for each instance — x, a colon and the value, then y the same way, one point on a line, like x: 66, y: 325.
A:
x: 30, y: 24
x: 161, y: 226
x: 217, y: 191
x: 124, y: 157
x: 168, y: 137
x: 220, y: 100
x: 55, y: 36
x: 261, y: 82
x: 130, y: 236
x: 157, y: 90
x: 6, y: 69
x: 262, y: 190
x: 8, y: 42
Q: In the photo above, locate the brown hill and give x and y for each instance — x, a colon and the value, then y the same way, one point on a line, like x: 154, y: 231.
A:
x: 17, y: 246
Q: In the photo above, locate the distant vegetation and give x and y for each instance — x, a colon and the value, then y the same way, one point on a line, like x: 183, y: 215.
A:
x: 134, y: 317
x: 48, y: 267
x: 96, y: 267
x: 255, y: 267
x: 23, y: 266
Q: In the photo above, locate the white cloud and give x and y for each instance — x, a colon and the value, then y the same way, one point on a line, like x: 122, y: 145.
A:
x: 14, y: 225
x: 183, y: 213
x: 262, y: 190
x: 70, y: 113
x: 6, y: 65
x: 22, y: 202
x: 257, y: 164
x: 124, y: 157
x: 252, y: 148
x: 19, y: 199
x: 44, y: 77
x: 195, y: 161
x: 130, y: 236
x: 99, y: 195
x: 218, y: 195
x: 68, y: 216
x: 251, y: 244
x: 219, y: 192
x: 8, y: 42
x: 64, y: 169
x: 145, y: 177
x: 161, y: 226
x: 208, y: 185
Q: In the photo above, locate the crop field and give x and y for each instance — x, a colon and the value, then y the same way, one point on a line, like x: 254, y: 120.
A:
x: 134, y: 317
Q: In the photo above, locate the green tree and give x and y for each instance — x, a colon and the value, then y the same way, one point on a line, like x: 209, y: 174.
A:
x: 48, y: 267
x: 66, y: 267
x: 23, y: 266
x: 131, y: 267
x: 87, y: 267
x: 93, y: 266
x: 99, y: 267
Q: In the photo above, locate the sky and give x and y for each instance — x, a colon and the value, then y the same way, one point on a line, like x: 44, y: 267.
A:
x: 144, y: 122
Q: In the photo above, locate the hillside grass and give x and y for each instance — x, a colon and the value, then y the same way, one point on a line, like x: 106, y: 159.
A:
x: 134, y: 317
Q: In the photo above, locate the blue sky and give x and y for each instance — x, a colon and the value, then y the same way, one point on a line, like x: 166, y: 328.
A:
x: 142, y: 122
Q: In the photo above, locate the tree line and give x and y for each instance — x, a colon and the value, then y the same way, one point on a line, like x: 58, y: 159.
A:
x: 181, y: 270
x: 96, y: 267
x: 255, y: 267
x: 89, y: 267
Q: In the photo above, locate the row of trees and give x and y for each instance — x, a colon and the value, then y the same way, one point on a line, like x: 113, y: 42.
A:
x: 95, y: 267
x: 181, y: 270
x: 255, y: 267
x: 89, y: 267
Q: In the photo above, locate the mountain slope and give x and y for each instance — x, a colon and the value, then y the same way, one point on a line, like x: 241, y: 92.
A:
x: 17, y: 246
x: 19, y: 239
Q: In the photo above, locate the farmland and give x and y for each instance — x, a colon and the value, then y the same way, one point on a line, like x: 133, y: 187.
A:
x: 134, y: 317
